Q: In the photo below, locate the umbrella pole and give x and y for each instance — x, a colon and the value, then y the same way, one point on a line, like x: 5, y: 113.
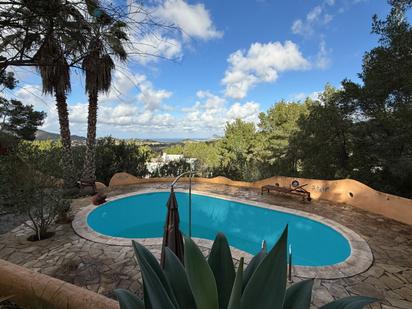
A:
x: 190, y: 205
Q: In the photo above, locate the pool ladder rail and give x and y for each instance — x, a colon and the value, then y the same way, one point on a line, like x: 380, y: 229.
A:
x: 191, y: 173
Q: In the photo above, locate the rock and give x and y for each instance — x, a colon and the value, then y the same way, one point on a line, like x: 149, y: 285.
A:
x: 391, y: 281
x: 405, y: 292
x: 99, y: 199
x: 375, y: 271
x: 123, y: 179
x: 408, y: 275
x: 390, y: 268
x: 365, y: 289
x: 400, y: 303
x: 100, y: 187
x: 321, y: 296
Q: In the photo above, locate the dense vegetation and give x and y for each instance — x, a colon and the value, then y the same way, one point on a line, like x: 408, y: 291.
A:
x: 112, y: 156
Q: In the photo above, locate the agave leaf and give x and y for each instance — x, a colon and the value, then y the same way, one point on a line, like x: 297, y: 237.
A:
x: 234, y: 301
x: 128, y: 300
x: 200, y: 277
x: 175, y: 273
x: 351, y: 302
x: 298, y: 296
x: 267, y: 285
x: 146, y: 298
x: 157, y: 287
x: 221, y: 262
x: 254, y: 263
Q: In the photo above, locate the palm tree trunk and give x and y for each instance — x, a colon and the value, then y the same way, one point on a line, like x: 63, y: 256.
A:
x: 89, y: 168
x: 67, y: 157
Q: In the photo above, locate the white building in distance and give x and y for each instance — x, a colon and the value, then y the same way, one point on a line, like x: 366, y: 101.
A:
x: 157, y: 163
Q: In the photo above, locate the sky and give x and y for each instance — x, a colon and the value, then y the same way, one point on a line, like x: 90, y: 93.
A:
x: 225, y: 59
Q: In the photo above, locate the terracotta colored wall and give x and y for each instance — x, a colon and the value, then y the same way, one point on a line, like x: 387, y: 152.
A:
x: 347, y: 191
x: 32, y: 289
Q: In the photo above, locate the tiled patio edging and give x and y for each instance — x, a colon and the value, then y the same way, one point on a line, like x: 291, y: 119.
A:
x: 359, y: 261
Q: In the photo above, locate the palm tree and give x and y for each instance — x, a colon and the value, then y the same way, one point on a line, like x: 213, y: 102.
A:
x: 55, y: 74
x: 98, y: 66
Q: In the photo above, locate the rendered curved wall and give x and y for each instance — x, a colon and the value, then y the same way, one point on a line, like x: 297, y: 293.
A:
x: 346, y: 191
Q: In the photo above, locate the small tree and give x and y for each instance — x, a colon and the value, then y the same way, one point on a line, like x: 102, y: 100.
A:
x: 35, y: 194
x: 19, y: 119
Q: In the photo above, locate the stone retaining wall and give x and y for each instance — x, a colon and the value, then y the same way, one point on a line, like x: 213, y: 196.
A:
x: 34, y: 290
x: 346, y: 191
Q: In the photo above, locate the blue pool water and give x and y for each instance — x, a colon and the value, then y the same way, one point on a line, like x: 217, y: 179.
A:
x: 245, y: 226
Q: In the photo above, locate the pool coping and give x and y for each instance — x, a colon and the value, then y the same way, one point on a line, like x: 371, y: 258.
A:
x: 360, y: 259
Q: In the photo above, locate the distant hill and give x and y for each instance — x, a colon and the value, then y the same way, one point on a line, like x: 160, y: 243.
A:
x: 44, y: 135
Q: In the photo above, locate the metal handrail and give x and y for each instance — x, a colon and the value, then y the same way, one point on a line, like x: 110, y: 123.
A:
x: 180, y: 176
x: 191, y: 172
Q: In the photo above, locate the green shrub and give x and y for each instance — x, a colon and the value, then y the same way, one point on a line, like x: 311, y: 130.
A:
x: 215, y: 284
x: 28, y: 187
x: 172, y: 169
x: 112, y: 156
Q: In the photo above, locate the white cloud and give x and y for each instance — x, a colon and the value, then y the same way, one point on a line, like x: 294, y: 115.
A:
x: 301, y: 96
x: 261, y: 63
x: 161, y: 29
x: 323, y: 60
x: 154, y: 46
x: 122, y: 116
x: 193, y: 19
x: 247, y: 112
x: 314, y: 14
x: 125, y: 82
x: 149, y: 41
x: 150, y: 97
x: 317, y: 16
x: 133, y: 103
x: 211, y: 113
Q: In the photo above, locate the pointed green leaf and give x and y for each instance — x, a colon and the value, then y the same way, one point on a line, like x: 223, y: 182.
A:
x: 351, y: 302
x: 128, y: 300
x: 157, y: 287
x: 175, y: 273
x: 221, y: 262
x: 200, y: 277
x: 298, y: 296
x: 234, y: 301
x: 146, y: 298
x: 267, y: 285
x: 253, y: 264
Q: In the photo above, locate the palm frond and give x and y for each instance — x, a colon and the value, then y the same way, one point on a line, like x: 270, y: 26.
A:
x: 52, y: 66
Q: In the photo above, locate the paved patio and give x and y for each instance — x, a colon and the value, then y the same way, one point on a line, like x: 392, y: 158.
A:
x: 102, y: 268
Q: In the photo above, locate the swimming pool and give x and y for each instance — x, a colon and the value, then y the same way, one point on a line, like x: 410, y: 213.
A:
x: 245, y: 226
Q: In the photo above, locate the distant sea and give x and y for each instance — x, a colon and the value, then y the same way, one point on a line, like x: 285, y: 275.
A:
x: 177, y: 140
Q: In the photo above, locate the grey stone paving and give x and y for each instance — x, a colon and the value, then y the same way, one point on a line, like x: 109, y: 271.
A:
x: 102, y: 268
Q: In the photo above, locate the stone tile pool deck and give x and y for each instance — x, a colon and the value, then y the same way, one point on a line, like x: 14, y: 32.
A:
x: 102, y: 268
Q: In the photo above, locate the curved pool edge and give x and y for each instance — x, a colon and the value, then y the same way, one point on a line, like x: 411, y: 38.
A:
x: 360, y: 259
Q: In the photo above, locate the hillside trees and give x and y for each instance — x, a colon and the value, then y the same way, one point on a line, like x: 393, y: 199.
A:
x: 276, y: 127
x: 383, y: 104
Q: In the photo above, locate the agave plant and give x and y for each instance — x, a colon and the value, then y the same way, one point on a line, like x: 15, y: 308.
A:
x: 215, y: 284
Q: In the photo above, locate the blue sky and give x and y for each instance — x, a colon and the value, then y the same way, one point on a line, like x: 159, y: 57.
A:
x: 231, y: 59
